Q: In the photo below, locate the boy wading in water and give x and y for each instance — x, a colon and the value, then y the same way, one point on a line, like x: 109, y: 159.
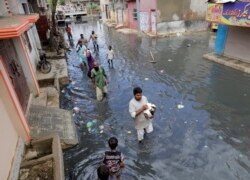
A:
x: 114, y: 159
x: 93, y: 36
x: 136, y: 107
x: 110, y: 56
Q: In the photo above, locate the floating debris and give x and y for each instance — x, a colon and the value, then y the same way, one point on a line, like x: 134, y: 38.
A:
x: 129, y: 132
x: 76, y: 109
x: 70, y: 86
x: 205, y: 146
x: 101, y: 131
x: 188, y: 45
x: 73, y: 114
x: 170, y: 60
x: 180, y: 106
x: 178, y: 34
x: 94, y: 121
x: 146, y: 79
x: 73, y: 82
x: 220, y: 137
x: 241, y: 155
x: 63, y: 91
x: 185, y: 122
x: 161, y: 71
x: 76, y: 88
x: 152, y: 58
x: 101, y: 127
x: 89, y: 125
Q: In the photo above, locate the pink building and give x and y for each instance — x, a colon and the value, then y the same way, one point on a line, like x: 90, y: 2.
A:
x: 147, y: 15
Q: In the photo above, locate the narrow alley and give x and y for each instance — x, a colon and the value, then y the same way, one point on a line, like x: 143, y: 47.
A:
x: 201, y: 124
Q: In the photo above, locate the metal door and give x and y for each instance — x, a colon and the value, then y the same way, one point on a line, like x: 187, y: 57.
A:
x: 144, y: 21
x: 153, y: 21
x: 14, y: 68
x: 120, y: 16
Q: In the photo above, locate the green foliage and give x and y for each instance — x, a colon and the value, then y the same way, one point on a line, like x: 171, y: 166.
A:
x: 62, y: 2
x: 93, y: 6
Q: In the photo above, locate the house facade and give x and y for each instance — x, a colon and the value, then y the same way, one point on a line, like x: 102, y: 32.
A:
x: 158, y: 16
x: 18, y: 57
x: 233, y: 35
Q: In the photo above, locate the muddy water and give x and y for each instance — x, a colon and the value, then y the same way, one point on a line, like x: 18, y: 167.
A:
x: 207, y: 137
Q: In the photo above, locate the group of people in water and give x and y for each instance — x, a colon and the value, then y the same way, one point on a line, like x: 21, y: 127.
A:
x: 113, y: 161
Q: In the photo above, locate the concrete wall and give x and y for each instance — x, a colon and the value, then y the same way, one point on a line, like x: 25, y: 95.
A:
x: 180, y: 16
x: 238, y: 43
x: 8, y: 138
x: 3, y: 11
x: 8, y: 130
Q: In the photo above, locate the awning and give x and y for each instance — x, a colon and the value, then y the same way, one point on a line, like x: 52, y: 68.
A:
x: 14, y: 26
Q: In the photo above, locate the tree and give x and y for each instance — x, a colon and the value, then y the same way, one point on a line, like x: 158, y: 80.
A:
x: 62, y: 2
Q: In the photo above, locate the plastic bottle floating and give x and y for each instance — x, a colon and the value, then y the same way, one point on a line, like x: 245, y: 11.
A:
x: 180, y: 106
x: 76, y: 109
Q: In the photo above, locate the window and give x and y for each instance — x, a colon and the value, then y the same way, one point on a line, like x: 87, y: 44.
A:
x: 135, y: 14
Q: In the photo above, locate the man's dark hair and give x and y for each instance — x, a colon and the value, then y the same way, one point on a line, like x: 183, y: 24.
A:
x: 113, y: 143
x: 137, y: 90
x: 103, y: 172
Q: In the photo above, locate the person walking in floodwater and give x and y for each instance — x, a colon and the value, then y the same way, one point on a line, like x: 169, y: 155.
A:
x: 110, y: 56
x: 82, y: 41
x: 82, y: 54
x: 69, y: 32
x: 136, y: 107
x: 100, y: 80
x: 93, y: 36
x: 114, y: 159
x: 90, y: 62
x: 103, y: 172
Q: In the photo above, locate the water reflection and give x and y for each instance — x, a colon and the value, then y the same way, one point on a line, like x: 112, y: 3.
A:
x: 207, y: 139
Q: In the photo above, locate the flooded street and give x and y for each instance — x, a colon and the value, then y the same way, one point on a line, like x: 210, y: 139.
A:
x: 201, y: 127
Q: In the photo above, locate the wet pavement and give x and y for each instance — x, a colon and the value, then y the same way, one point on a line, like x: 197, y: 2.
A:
x: 201, y: 128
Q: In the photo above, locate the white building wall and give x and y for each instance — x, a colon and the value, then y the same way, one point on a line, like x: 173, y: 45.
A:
x: 8, y: 135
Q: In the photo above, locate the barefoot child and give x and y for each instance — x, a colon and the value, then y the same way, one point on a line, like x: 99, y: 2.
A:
x: 110, y: 56
x: 114, y: 159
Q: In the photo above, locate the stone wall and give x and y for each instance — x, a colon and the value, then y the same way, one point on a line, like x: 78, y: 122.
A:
x: 181, y: 16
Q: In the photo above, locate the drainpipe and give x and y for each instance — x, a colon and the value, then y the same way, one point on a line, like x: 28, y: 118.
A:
x: 138, y: 14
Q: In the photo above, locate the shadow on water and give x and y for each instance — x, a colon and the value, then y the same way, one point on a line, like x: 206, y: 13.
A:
x: 207, y: 139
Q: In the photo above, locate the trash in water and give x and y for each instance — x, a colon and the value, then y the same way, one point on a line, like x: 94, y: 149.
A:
x: 89, y: 125
x: 70, y: 86
x: 129, y: 132
x: 205, y: 146
x: 170, y: 60
x: 101, y: 127
x: 73, y: 82
x: 188, y: 45
x: 180, y: 106
x: 185, y: 122
x: 101, y: 131
x: 241, y: 155
x: 76, y: 88
x: 220, y: 138
x: 76, y: 109
x: 94, y: 121
x: 178, y: 34
x: 197, y: 120
x: 63, y: 91
x: 161, y: 71
x: 89, y: 129
x: 146, y: 79
x: 73, y: 114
